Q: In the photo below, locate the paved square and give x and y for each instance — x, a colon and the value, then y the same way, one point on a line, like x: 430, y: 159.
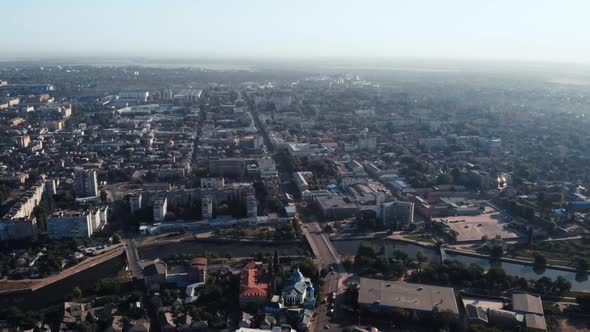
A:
x: 472, y: 228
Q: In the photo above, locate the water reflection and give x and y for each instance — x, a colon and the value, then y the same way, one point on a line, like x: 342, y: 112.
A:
x: 579, y: 282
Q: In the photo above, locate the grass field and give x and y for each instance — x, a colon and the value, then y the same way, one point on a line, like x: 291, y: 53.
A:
x: 419, y: 238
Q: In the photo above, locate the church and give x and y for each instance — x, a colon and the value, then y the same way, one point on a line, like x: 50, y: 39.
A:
x: 298, y: 291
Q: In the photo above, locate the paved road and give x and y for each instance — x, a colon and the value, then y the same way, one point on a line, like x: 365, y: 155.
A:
x: 327, y: 257
x: 132, y: 258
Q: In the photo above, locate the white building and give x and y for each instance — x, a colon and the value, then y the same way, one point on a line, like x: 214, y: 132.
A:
x: 397, y: 214
x: 19, y: 223
x: 160, y: 208
x: 298, y: 291
x: 138, y: 95
x: 267, y: 169
x: 188, y: 96
x: 135, y: 202
x: 301, y: 179
x: 70, y: 226
x: 212, y: 183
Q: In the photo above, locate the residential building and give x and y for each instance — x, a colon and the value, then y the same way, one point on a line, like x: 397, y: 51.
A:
x: 160, y: 209
x: 19, y: 223
x: 301, y: 180
x: 206, y: 208
x: 212, y: 183
x: 85, y: 182
x: 23, y: 141
x: 251, y: 206
x: 397, y: 214
x: 135, y: 202
x: 72, y: 225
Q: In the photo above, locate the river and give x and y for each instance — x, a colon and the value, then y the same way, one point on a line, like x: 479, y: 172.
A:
x: 233, y: 249
x: 349, y: 247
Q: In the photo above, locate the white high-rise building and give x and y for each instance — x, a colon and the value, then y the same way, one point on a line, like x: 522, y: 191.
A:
x: 135, y: 202
x: 160, y: 209
x: 397, y: 214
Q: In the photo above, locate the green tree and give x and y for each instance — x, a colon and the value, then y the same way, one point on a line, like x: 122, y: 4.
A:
x: 276, y: 262
x: 400, y: 255
x: 581, y: 266
x: 496, y: 252
x: 421, y: 257
x: 584, y: 301
x: 561, y: 285
x: 77, y: 292
x: 540, y: 261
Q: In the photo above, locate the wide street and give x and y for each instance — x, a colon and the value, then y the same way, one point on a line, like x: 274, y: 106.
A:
x: 132, y: 258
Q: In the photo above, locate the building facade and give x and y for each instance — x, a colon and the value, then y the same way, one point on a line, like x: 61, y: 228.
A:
x: 397, y: 214
x: 85, y: 182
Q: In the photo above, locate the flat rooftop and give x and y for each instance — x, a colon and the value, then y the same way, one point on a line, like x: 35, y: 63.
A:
x: 404, y: 295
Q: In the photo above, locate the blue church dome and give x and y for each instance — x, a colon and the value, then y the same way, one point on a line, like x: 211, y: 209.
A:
x: 297, y: 276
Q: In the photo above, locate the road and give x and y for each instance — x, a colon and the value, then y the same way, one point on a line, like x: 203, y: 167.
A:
x: 327, y: 258
x: 326, y: 254
x: 132, y: 258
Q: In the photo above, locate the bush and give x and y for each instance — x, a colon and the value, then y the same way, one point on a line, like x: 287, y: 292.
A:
x: 108, y: 286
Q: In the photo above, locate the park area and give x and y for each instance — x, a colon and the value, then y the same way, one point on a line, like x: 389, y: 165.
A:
x: 491, y: 224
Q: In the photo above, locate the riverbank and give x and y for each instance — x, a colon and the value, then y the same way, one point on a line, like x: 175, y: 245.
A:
x: 521, y: 268
x: 10, y: 286
x: 222, y: 248
x: 508, y: 260
x: 53, y: 293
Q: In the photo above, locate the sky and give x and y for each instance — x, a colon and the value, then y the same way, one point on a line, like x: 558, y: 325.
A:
x: 525, y: 30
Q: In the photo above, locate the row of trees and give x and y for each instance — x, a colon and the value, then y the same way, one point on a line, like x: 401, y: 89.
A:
x: 454, y: 273
x: 369, y: 261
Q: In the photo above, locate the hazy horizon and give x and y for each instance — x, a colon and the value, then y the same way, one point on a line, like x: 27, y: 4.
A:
x: 524, y: 31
